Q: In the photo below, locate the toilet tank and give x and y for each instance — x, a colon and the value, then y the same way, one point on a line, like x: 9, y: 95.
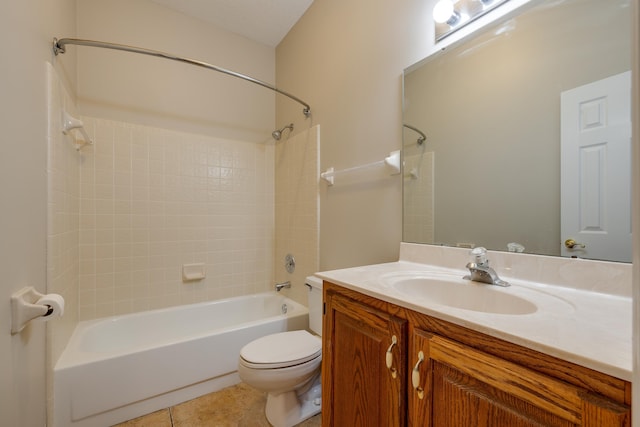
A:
x: 314, y: 300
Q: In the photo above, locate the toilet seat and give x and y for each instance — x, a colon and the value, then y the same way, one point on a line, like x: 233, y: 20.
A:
x: 281, y: 350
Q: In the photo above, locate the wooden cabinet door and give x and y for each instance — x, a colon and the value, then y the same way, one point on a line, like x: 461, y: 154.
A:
x: 457, y: 385
x: 359, y: 389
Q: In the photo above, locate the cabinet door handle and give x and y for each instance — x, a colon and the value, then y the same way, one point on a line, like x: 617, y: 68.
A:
x: 415, y: 376
x: 389, y: 357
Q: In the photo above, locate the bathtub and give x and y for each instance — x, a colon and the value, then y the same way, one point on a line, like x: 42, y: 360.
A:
x: 118, y: 368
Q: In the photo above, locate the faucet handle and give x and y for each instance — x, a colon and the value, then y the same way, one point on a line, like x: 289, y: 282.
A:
x: 479, y: 255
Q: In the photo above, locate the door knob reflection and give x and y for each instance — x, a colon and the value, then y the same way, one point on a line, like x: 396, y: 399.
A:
x: 572, y: 244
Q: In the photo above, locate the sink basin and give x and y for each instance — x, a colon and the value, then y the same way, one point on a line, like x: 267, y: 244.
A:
x: 456, y: 292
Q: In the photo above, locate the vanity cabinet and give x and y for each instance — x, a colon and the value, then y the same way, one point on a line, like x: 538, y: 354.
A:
x: 364, y: 365
x: 444, y: 375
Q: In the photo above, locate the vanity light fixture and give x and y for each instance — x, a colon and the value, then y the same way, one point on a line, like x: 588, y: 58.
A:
x: 451, y: 15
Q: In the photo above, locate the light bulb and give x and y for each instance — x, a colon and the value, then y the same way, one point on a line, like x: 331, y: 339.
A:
x: 442, y: 11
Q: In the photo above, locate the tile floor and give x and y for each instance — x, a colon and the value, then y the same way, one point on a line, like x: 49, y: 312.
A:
x: 236, y: 406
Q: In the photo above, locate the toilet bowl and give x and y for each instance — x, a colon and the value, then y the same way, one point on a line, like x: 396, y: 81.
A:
x: 286, y: 365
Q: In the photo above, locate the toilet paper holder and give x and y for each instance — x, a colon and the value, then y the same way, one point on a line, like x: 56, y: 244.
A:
x: 25, y: 308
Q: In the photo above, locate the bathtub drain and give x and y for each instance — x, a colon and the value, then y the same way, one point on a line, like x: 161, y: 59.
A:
x: 284, y: 309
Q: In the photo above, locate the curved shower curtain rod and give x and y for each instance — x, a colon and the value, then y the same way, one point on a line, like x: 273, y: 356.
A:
x: 59, y: 47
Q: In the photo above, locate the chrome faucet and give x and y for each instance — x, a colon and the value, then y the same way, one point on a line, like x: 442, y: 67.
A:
x: 279, y: 286
x: 480, y: 271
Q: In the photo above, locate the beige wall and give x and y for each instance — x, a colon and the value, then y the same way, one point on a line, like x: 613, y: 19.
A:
x: 346, y: 60
x: 28, y: 27
x: 166, y: 94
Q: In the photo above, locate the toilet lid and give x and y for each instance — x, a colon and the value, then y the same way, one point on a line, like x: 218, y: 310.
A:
x: 282, y: 349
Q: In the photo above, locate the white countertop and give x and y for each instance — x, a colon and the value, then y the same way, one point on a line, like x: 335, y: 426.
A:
x: 583, y: 326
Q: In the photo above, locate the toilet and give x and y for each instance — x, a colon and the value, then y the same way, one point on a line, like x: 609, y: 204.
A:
x: 286, y: 365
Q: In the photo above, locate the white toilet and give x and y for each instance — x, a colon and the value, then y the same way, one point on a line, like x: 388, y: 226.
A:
x: 287, y: 366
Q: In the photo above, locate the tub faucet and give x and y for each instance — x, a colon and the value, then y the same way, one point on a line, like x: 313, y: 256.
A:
x: 480, y: 271
x: 279, y: 286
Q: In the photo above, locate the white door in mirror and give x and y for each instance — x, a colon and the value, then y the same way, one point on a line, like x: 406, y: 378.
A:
x: 595, y: 169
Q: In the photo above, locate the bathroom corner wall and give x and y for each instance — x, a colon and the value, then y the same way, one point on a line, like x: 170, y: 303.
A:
x: 297, y: 170
x: 153, y: 199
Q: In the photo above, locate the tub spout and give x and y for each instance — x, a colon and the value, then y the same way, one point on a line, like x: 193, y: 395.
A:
x: 279, y: 286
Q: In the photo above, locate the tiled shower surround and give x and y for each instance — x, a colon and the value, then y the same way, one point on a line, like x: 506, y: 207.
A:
x: 152, y: 200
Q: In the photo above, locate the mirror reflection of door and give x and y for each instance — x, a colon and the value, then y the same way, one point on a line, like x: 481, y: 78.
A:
x: 595, y: 170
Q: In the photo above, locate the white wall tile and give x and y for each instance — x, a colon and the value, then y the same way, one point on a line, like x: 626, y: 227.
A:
x: 153, y: 199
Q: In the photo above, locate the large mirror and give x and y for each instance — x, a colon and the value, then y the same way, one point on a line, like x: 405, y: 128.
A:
x: 528, y: 136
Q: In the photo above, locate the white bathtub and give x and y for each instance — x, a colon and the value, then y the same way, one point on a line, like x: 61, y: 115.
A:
x: 121, y: 367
